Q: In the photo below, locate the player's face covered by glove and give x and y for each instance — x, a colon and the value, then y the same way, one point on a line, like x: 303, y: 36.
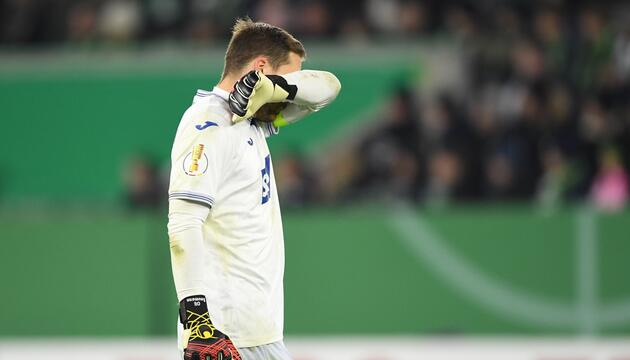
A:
x: 269, y: 112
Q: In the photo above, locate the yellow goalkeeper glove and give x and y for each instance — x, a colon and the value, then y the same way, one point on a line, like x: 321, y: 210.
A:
x: 256, y: 89
x: 202, y: 341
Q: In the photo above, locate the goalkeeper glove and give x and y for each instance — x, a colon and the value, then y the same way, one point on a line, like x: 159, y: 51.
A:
x: 202, y: 340
x: 256, y: 89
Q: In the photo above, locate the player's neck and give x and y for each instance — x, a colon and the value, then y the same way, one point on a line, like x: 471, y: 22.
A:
x: 227, y: 83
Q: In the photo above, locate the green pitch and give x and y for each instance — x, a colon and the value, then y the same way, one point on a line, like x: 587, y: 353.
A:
x: 347, y: 271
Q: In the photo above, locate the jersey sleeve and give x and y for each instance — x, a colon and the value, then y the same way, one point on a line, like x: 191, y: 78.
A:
x: 290, y: 115
x: 198, y: 162
x: 316, y: 89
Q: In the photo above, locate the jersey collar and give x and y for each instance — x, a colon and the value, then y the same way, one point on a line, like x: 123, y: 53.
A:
x: 221, y: 93
x: 216, y: 91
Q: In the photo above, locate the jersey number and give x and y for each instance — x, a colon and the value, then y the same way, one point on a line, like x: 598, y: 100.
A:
x: 266, y: 180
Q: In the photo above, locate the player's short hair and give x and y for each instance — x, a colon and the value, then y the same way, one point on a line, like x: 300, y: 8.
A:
x: 251, y: 39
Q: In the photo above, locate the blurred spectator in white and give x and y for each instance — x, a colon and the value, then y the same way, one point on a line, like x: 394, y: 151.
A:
x: 610, y: 187
x: 384, y: 15
x: 120, y: 21
x: 622, y: 53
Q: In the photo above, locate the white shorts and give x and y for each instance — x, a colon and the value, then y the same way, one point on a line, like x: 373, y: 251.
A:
x: 273, y: 351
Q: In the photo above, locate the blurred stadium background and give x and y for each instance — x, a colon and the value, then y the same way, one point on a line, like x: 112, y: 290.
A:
x: 464, y: 198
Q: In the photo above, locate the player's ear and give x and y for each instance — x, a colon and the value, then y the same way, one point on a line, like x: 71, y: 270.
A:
x: 260, y: 63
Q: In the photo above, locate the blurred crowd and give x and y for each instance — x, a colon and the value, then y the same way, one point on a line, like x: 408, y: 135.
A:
x: 543, y: 113
x: 98, y: 22
x: 95, y: 22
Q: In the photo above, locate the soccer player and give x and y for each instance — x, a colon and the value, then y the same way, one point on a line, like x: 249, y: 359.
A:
x: 225, y: 228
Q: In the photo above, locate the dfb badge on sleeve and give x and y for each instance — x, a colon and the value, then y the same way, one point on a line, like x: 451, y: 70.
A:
x: 196, y: 162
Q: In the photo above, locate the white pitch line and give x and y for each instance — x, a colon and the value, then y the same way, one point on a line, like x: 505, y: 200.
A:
x: 586, y: 272
x: 465, y: 278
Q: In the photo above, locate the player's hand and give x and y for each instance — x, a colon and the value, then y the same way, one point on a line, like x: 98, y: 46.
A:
x: 256, y: 89
x: 203, y: 340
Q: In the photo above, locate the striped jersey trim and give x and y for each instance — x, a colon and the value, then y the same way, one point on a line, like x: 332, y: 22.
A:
x: 205, y: 94
x: 192, y: 196
x: 272, y: 129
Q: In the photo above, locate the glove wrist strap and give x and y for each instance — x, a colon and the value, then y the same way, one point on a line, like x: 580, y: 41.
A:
x: 193, y: 310
x: 282, y: 82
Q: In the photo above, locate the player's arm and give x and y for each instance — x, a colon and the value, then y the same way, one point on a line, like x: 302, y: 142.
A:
x: 202, y: 339
x: 315, y: 90
x: 198, y: 160
x: 185, y: 232
x: 306, y: 91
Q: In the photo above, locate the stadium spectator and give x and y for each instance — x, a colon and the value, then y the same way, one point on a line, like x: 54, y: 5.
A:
x: 143, y: 188
x: 389, y: 156
x: 610, y: 188
x: 297, y: 186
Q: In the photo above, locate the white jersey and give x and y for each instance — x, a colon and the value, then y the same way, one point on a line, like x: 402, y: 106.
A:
x: 228, y: 167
